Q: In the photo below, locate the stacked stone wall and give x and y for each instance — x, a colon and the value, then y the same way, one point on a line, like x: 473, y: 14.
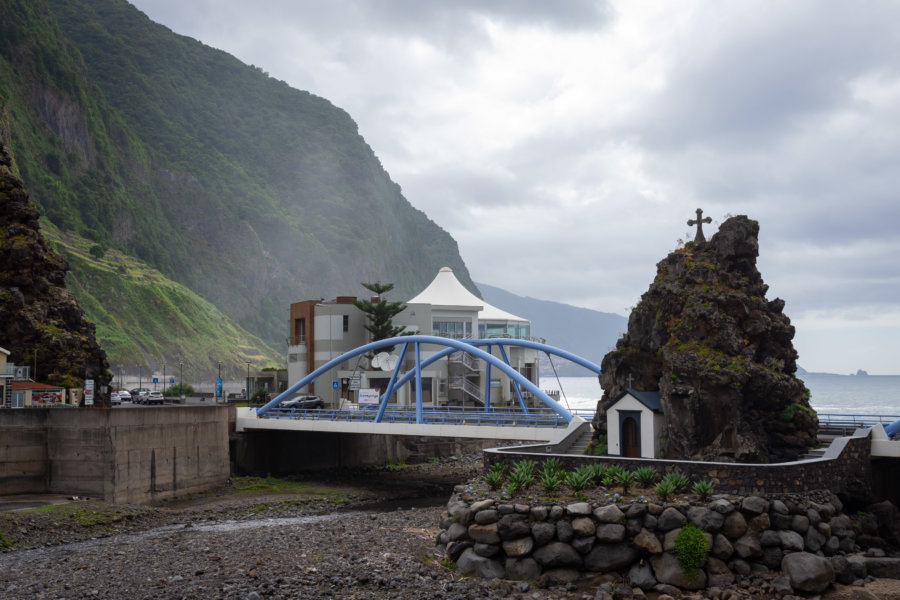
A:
x: 490, y: 537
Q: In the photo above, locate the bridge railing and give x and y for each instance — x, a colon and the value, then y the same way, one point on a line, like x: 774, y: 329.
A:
x: 845, y: 424
x: 442, y: 415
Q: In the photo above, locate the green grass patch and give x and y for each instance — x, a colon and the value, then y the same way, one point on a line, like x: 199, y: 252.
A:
x: 274, y: 485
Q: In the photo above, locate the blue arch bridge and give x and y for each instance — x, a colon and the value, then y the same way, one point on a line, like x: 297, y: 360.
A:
x: 546, y: 420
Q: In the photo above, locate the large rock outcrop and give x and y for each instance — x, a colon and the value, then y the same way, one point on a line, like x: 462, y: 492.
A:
x: 719, y: 354
x: 41, y: 322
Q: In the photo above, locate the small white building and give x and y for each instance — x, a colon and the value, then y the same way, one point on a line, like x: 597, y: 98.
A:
x: 634, y: 424
x: 321, y: 331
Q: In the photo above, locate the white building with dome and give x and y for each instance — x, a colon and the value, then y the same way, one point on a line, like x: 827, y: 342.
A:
x: 321, y: 331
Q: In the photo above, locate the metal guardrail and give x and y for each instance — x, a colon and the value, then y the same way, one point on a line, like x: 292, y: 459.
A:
x: 843, y: 424
x: 445, y: 415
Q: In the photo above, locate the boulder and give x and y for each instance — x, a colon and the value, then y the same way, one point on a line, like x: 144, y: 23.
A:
x: 609, y: 513
x: 734, y: 526
x: 584, y: 526
x: 522, y: 568
x: 705, y: 519
x: 670, y: 519
x: 610, y: 533
x: 486, y: 550
x: 485, y: 534
x: 648, y: 542
x: 557, y: 554
x: 518, y: 547
x: 667, y: 570
x: 579, y: 509
x: 808, y: 572
x: 604, y: 558
x: 640, y: 575
x: 543, y: 532
x: 470, y: 563
x: 511, y: 527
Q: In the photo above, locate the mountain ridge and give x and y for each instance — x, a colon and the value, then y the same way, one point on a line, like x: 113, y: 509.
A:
x: 247, y: 192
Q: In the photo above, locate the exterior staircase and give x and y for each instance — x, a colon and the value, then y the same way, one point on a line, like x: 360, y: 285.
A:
x: 580, y: 443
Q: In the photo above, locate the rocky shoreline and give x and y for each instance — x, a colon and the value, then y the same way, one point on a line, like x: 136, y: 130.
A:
x: 355, y: 535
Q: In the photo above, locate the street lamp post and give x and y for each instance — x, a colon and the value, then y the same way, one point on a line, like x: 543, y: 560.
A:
x: 140, y: 378
x: 164, y: 376
x: 181, y: 377
x: 248, y: 381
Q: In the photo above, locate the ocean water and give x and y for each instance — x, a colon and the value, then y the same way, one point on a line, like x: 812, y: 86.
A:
x: 834, y: 394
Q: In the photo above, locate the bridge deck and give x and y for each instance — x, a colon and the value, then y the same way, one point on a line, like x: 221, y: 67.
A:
x: 507, y: 424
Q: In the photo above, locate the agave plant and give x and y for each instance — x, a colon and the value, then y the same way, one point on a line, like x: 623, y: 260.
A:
x: 679, y: 480
x: 626, y: 479
x: 551, y: 480
x: 704, y: 489
x: 580, y: 478
x: 665, y: 488
x: 646, y: 477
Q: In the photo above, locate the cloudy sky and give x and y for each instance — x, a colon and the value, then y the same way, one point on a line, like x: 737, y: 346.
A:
x: 564, y: 145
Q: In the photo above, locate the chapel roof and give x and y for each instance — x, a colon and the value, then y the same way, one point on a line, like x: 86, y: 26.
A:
x: 648, y: 399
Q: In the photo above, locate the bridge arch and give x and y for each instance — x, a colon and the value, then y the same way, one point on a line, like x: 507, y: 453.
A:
x: 452, y: 345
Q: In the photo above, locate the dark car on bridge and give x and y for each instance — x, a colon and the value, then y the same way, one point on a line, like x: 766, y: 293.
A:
x: 303, y: 401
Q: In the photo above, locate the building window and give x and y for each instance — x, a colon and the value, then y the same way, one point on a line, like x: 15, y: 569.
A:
x: 346, y: 323
x: 300, y: 330
x: 293, y: 357
x: 451, y: 329
x: 18, y: 399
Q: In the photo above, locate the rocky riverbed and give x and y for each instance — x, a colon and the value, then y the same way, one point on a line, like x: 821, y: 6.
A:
x: 355, y: 535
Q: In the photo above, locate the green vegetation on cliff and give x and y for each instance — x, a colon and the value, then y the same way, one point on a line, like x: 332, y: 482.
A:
x: 250, y: 193
x: 143, y: 317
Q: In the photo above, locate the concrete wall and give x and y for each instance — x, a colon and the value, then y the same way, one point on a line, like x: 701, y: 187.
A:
x: 134, y: 455
x: 285, y: 452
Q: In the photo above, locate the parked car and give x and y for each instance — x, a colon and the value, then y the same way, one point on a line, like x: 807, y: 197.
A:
x: 115, y: 399
x: 303, y: 401
x: 139, y: 395
x: 124, y: 395
x: 154, y: 398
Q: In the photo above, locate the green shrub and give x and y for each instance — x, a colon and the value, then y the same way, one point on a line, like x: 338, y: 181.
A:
x: 580, y: 478
x: 704, y: 489
x: 524, y: 471
x: 496, y: 475
x: 626, y: 479
x: 616, y: 471
x: 646, y: 476
x: 691, y: 550
x: 664, y: 489
x: 598, y: 472
x: 551, y: 480
x: 552, y: 466
x: 679, y: 480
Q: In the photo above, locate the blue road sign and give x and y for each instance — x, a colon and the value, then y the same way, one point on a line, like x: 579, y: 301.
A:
x: 219, y: 387
x: 334, y: 385
x: 156, y: 380
x: 171, y: 380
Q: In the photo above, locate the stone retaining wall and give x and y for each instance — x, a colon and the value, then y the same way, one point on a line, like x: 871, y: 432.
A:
x: 490, y: 537
x: 845, y: 468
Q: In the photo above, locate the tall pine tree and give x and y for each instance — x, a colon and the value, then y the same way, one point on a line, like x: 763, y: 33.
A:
x: 381, y: 312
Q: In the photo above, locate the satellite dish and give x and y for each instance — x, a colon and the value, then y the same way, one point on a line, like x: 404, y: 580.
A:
x: 363, y: 362
x: 392, y: 361
x: 380, y: 360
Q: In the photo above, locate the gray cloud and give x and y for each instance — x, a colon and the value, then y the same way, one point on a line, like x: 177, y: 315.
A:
x: 564, y: 145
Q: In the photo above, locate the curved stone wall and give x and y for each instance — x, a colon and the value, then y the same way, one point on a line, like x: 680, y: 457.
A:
x: 490, y: 537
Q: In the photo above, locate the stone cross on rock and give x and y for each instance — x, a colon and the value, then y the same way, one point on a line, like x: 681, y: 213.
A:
x: 629, y: 379
x: 699, y: 221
